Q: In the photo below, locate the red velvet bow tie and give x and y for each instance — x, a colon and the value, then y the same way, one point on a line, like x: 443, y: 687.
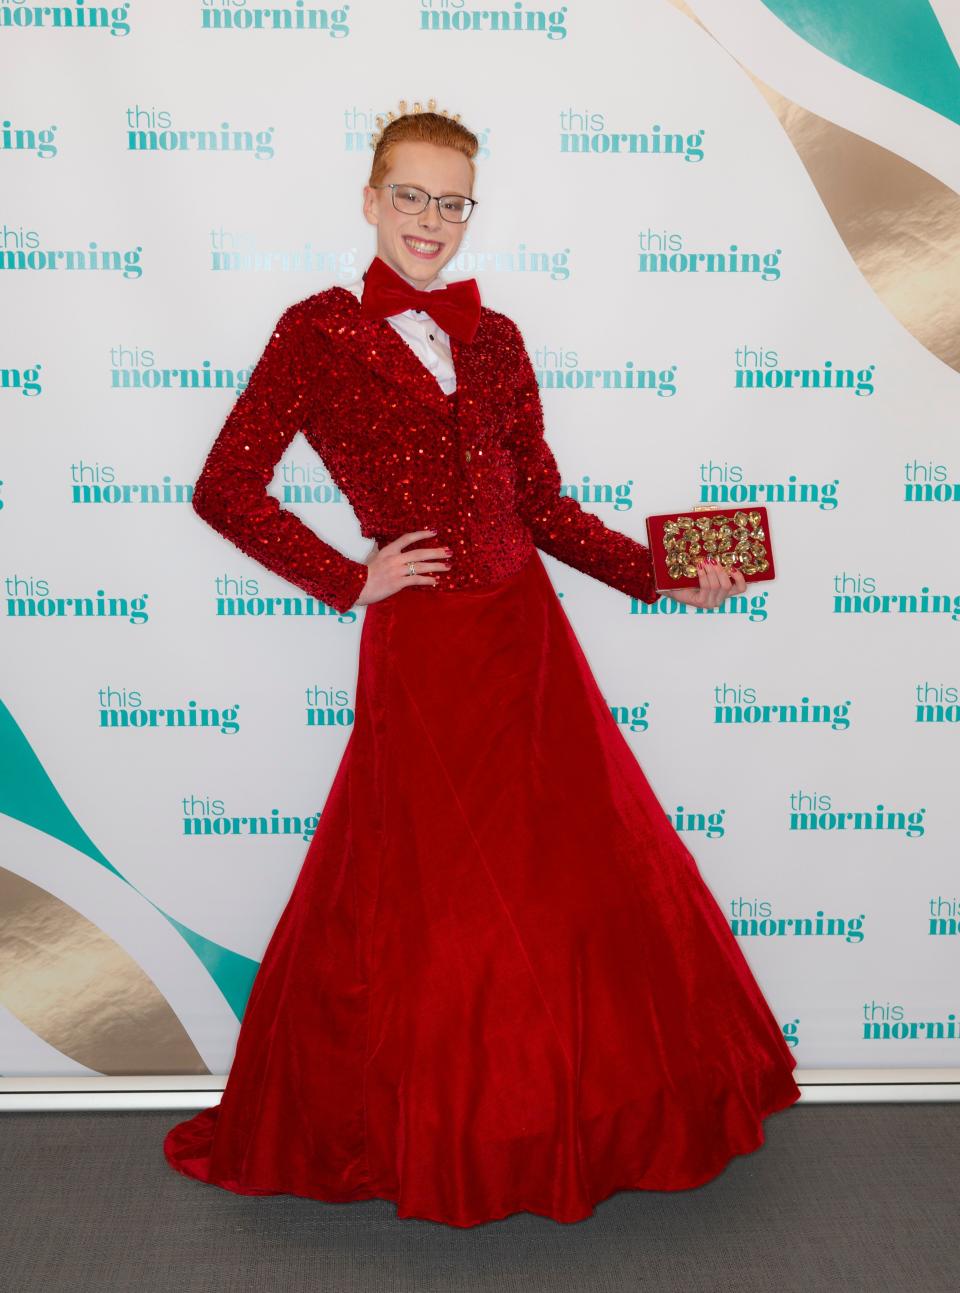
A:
x: 455, y: 308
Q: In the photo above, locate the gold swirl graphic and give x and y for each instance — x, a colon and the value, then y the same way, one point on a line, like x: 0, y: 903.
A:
x: 899, y: 223
x: 73, y: 986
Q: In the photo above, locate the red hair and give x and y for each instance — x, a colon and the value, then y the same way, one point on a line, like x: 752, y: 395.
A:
x: 426, y: 127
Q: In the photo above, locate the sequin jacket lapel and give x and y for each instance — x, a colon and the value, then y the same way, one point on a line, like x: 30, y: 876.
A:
x: 374, y: 343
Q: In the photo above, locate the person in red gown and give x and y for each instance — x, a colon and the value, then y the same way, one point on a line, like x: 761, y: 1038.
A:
x: 500, y: 982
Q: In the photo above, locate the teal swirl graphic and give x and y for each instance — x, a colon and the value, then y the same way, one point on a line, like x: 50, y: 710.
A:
x: 897, y: 43
x: 28, y: 795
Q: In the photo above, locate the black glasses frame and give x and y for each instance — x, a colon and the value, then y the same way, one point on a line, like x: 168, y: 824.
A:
x: 431, y: 197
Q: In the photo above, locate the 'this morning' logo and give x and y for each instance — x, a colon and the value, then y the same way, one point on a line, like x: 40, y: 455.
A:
x: 124, y: 708
x: 22, y: 250
x: 618, y: 496
x: 561, y: 370
x: 936, y: 703
x: 710, y: 825
x: 287, y: 15
x: 240, y: 251
x: 453, y: 15
x: 237, y: 250
x: 24, y: 380
x: 522, y: 259
x: 755, y: 918
x: 724, y: 483
x: 736, y: 706
x: 359, y: 125
x: 760, y: 370
x: 944, y: 916
x: 208, y: 818
x: 889, y: 1022
x: 929, y: 482
x: 750, y: 606
x: 306, y: 483
x: 40, y: 140
x: 810, y: 811
x: 134, y: 368
x: 857, y: 595
x: 632, y: 718
x: 328, y: 707
x: 100, y: 483
x: 29, y: 598
x: 151, y: 130
x: 78, y: 16
x: 241, y: 598
x: 587, y: 132
x: 664, y: 253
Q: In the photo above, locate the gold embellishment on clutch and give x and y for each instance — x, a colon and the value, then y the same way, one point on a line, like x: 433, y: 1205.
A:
x: 735, y: 541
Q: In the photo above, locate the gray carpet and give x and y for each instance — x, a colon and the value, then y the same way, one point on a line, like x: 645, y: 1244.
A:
x: 846, y: 1197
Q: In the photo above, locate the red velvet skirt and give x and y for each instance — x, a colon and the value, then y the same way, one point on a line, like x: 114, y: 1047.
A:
x: 500, y: 983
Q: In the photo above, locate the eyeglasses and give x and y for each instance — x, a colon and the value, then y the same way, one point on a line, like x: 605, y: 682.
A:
x: 453, y: 207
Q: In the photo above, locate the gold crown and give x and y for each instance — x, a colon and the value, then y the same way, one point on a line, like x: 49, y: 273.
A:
x: 383, y: 122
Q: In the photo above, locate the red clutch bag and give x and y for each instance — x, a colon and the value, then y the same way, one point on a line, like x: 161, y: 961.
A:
x: 737, y: 537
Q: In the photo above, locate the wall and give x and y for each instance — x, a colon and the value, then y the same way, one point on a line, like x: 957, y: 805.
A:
x: 729, y: 234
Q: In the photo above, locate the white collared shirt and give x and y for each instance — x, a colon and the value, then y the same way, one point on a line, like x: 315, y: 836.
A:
x: 428, y: 342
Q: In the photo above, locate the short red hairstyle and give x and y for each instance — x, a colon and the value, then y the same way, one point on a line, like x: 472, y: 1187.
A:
x: 428, y: 127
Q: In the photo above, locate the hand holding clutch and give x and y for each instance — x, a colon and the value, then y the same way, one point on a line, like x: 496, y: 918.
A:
x: 716, y: 585
x: 736, y: 539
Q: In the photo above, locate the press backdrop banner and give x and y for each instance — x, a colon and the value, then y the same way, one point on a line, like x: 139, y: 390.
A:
x: 730, y: 233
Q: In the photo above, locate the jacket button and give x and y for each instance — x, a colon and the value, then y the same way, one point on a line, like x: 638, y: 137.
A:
x: 467, y: 455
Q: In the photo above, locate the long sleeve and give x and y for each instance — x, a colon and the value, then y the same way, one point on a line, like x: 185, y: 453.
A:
x: 558, y: 524
x: 231, y: 491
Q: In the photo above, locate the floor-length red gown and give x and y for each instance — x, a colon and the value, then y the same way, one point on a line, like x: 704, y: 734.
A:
x: 500, y: 982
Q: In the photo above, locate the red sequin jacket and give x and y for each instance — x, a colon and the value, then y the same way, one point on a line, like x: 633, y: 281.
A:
x: 474, y: 466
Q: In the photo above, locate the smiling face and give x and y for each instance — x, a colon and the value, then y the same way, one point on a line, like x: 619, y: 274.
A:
x: 418, y: 246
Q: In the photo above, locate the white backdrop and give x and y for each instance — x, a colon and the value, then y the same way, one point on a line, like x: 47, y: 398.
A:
x: 803, y: 736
